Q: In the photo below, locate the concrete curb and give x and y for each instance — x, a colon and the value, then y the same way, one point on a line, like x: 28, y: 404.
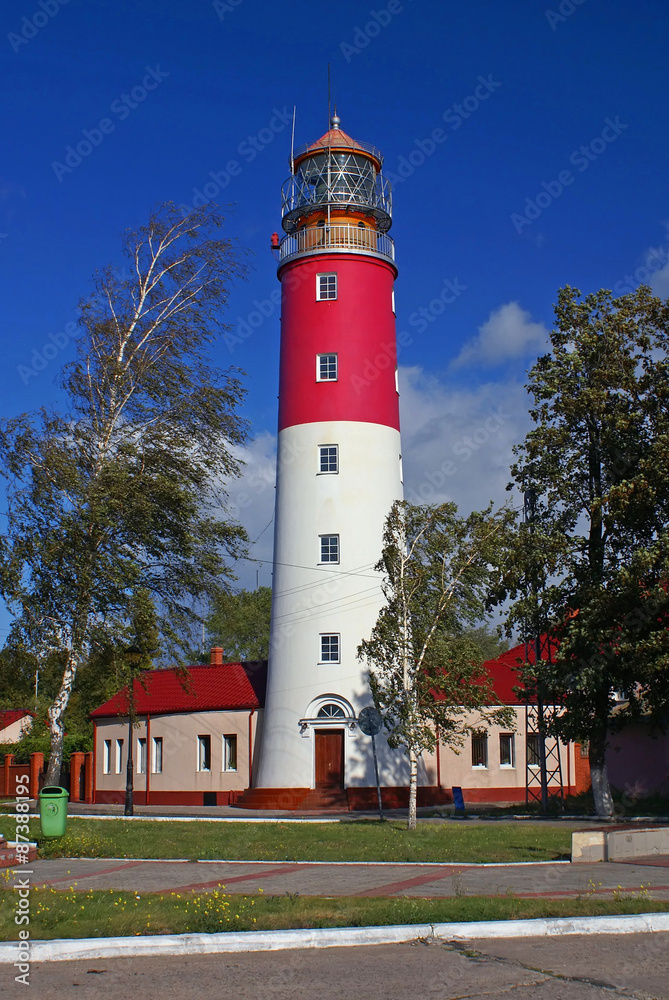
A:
x: 63, y: 950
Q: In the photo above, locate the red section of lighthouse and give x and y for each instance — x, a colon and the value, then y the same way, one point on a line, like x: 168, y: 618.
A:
x: 338, y: 468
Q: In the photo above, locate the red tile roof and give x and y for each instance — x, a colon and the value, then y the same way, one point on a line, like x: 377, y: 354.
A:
x: 503, y: 670
x: 11, y: 715
x: 197, y: 689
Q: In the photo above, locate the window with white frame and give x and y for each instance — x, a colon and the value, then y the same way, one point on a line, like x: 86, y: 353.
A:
x: 106, y: 757
x: 329, y: 548
x: 118, y: 757
x: 230, y: 753
x: 326, y: 368
x: 204, y: 753
x: 326, y: 286
x: 141, y: 755
x: 330, y: 647
x: 157, y: 755
x: 507, y: 751
x: 328, y: 458
x: 392, y: 299
x: 480, y: 750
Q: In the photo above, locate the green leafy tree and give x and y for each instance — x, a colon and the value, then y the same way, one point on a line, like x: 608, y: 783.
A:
x: 489, y: 642
x: 124, y: 491
x: 591, y: 567
x: 425, y: 664
x: 239, y: 623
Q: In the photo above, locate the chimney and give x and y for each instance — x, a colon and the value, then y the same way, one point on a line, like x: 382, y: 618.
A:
x: 216, y: 656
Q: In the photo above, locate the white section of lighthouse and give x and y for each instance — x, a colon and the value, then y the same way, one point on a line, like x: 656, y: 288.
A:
x: 338, y: 468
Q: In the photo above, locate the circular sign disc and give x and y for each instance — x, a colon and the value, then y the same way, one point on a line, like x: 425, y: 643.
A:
x: 370, y: 721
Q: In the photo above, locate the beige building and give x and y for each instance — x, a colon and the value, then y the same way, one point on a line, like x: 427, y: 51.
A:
x: 14, y: 722
x: 194, y: 737
x: 196, y: 743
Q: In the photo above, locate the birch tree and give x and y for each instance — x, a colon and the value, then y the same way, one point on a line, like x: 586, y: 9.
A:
x: 424, y: 664
x: 123, y: 492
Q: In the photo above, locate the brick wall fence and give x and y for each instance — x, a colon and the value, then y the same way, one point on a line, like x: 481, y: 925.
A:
x: 81, y: 776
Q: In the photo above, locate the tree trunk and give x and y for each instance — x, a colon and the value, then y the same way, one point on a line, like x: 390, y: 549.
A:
x: 56, y: 726
x: 601, y: 790
x: 413, y: 790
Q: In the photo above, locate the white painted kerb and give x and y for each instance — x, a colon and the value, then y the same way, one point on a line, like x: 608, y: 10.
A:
x: 335, y: 937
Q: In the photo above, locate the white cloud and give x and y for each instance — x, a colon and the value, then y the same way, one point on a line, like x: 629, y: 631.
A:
x: 457, y: 442
x: 507, y: 334
x: 251, y: 503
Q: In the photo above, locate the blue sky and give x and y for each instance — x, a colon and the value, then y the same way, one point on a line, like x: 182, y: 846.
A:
x: 548, y: 166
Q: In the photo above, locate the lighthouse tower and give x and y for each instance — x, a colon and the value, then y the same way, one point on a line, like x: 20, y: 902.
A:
x: 338, y: 468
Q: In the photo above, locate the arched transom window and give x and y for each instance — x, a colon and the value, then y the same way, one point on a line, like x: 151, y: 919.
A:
x: 330, y: 711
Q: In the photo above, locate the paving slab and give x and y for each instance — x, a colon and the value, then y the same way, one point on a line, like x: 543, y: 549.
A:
x: 553, y: 880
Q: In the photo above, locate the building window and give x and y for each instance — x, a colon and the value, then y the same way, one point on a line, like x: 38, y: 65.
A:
x: 331, y: 711
x: 326, y: 367
x: 204, y: 753
x: 118, y: 757
x: 230, y: 753
x: 141, y: 755
x: 326, y: 286
x: 397, y: 381
x: 106, y: 757
x: 328, y: 458
x: 507, y: 756
x: 329, y: 548
x: 392, y: 299
x: 157, y: 755
x: 330, y: 647
x: 401, y: 471
x: 533, y: 750
x: 480, y: 750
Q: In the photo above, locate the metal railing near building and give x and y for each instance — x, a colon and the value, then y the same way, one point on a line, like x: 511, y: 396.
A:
x: 315, y: 239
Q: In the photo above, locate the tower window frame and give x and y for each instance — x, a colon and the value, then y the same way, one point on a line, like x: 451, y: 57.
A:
x: 328, y: 459
x: 330, y: 647
x: 327, y: 286
x: 328, y: 546
x: 327, y: 367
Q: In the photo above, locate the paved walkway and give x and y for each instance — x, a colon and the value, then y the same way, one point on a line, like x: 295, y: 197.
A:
x: 553, y: 880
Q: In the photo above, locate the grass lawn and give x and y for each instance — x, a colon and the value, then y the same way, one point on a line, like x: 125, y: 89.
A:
x: 363, y: 840
x: 57, y: 914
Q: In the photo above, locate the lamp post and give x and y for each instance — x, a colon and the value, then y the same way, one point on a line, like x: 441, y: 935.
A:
x: 133, y: 657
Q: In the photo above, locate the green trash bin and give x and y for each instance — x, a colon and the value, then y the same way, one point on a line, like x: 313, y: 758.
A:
x: 53, y: 810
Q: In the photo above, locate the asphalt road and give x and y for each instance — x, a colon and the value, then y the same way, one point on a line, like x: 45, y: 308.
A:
x: 567, y: 968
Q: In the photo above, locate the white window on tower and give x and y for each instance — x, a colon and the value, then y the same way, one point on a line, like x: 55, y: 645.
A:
x: 326, y: 286
x: 141, y: 755
x: 118, y: 761
x: 157, y: 761
x: 106, y: 757
x: 204, y: 753
x: 328, y: 458
x: 330, y: 647
x: 392, y: 300
x: 230, y: 753
x: 326, y: 368
x: 329, y: 548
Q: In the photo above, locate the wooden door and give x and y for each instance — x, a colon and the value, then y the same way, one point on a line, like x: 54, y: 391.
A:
x: 329, y: 758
